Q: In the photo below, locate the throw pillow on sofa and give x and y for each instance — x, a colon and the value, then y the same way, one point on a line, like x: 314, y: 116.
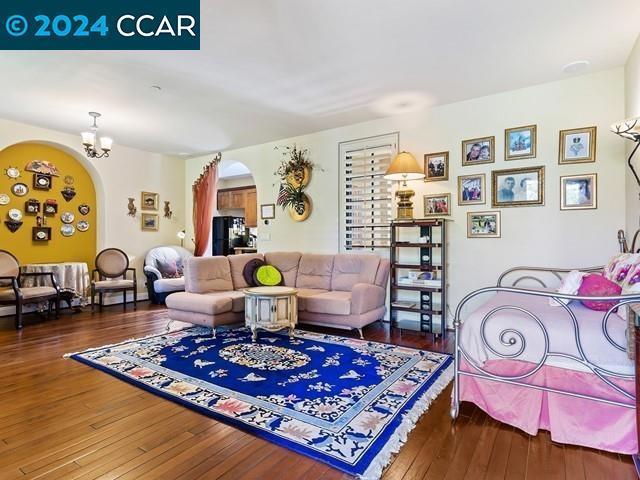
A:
x: 595, y: 285
x: 168, y: 269
x: 267, y: 276
x: 250, y: 269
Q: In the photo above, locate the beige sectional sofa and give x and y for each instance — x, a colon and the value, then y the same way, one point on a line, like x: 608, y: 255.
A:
x: 344, y: 290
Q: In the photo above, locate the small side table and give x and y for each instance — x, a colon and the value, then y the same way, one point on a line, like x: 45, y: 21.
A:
x: 270, y: 309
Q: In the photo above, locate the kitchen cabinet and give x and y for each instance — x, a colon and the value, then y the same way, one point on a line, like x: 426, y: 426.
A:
x: 251, y: 208
x: 224, y: 199
x: 242, y: 198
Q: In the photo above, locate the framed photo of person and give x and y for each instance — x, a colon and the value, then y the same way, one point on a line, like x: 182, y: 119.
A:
x: 517, y: 187
x: 437, y: 205
x: 577, y: 145
x: 436, y: 167
x: 520, y: 143
x: 471, y: 189
x: 478, y: 150
x: 579, y: 192
x: 483, y: 224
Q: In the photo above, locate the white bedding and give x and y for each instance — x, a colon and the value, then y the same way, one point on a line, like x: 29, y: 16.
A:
x: 559, y: 326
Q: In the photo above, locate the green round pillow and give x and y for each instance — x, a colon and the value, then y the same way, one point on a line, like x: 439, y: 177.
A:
x: 267, y: 276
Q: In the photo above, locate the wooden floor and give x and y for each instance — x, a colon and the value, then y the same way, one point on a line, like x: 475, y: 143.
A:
x: 61, y: 419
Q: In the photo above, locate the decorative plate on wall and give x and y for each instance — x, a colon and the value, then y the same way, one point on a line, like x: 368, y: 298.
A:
x: 67, y: 217
x: 84, y: 209
x: 41, y: 181
x: 4, y: 199
x: 19, y: 189
x: 82, y: 226
x: 12, y: 172
x: 67, y: 230
x: 15, y: 214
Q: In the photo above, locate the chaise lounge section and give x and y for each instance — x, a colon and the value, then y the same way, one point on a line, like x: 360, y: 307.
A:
x: 345, y: 291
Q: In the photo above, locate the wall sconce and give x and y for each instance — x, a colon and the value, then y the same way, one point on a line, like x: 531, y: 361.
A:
x: 181, y: 235
x: 132, y: 208
x: 167, y: 210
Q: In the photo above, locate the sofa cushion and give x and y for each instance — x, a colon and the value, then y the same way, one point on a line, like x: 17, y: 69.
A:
x: 237, y: 263
x: 168, y: 268
x: 349, y: 269
x: 314, y: 271
x: 165, y: 285
x: 382, y: 275
x: 331, y: 303
x: 287, y: 263
x: 208, y: 303
x: 208, y: 274
x: 304, y: 293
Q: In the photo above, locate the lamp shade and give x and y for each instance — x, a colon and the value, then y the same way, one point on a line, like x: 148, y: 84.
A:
x: 404, y: 167
x: 628, y: 129
x: 106, y: 143
x: 88, y: 139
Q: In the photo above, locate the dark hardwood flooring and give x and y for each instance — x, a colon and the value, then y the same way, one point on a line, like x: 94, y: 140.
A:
x: 60, y: 419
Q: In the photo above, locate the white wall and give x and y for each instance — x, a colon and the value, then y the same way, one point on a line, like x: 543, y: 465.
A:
x: 542, y: 236
x: 124, y: 174
x: 632, y: 97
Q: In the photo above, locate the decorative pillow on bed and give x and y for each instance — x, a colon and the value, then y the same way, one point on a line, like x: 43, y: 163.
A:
x: 267, y: 276
x: 249, y: 269
x: 620, y: 266
x: 168, y: 269
x: 595, y: 285
x: 569, y: 286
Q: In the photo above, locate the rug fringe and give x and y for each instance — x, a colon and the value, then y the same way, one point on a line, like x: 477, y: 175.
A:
x: 132, y: 339
x: 409, y: 420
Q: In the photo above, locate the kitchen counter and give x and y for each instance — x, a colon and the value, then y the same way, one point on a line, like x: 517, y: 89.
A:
x: 238, y: 250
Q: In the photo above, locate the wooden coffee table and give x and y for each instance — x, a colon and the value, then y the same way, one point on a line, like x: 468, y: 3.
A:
x: 270, y: 309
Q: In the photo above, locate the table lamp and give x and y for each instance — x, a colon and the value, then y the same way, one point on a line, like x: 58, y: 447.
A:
x: 181, y: 235
x: 404, y: 167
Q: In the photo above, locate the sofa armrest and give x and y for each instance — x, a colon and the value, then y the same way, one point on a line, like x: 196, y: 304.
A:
x: 150, y: 272
x: 366, y: 297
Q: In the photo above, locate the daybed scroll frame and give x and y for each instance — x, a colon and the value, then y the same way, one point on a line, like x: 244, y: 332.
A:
x: 511, y: 337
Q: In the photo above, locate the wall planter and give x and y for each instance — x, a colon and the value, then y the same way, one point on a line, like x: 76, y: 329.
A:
x: 301, y: 211
x: 295, y: 174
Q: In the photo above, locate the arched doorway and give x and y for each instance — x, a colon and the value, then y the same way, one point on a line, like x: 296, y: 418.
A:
x: 237, y: 204
x: 81, y: 245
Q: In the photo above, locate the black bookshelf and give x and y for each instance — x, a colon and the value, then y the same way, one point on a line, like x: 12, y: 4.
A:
x: 429, y: 316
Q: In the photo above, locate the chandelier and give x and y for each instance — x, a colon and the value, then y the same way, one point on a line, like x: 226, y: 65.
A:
x: 90, y: 139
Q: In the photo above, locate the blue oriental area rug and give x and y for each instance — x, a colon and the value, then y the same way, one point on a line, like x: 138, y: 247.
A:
x: 347, y: 402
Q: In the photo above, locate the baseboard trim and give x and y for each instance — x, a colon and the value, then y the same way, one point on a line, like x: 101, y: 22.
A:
x: 109, y: 299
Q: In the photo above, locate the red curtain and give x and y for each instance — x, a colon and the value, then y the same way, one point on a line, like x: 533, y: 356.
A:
x: 204, y: 203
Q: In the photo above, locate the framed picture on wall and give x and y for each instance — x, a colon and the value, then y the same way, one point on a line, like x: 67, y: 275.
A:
x: 436, y: 167
x: 577, y: 145
x: 517, y: 187
x: 150, y: 222
x: 268, y: 211
x: 471, y: 189
x: 437, y: 205
x: 483, y: 224
x: 150, y: 201
x: 579, y: 192
x: 520, y: 143
x: 478, y: 151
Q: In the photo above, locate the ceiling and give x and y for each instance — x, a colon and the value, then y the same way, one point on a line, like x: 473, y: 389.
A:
x: 271, y: 69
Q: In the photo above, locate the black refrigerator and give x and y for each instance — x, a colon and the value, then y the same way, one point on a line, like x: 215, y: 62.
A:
x: 222, y: 233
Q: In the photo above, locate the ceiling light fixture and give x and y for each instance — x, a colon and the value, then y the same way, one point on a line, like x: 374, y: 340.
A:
x: 89, y: 140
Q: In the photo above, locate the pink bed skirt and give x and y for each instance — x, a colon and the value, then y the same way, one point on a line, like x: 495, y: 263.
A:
x: 570, y: 420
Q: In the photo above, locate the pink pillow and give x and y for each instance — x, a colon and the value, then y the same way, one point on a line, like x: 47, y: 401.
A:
x: 595, y: 285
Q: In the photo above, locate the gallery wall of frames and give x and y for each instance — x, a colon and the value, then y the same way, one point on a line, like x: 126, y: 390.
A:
x: 47, y: 205
x: 521, y: 186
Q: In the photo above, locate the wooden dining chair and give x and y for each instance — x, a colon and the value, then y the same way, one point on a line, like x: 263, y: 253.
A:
x: 12, y: 291
x: 110, y: 275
